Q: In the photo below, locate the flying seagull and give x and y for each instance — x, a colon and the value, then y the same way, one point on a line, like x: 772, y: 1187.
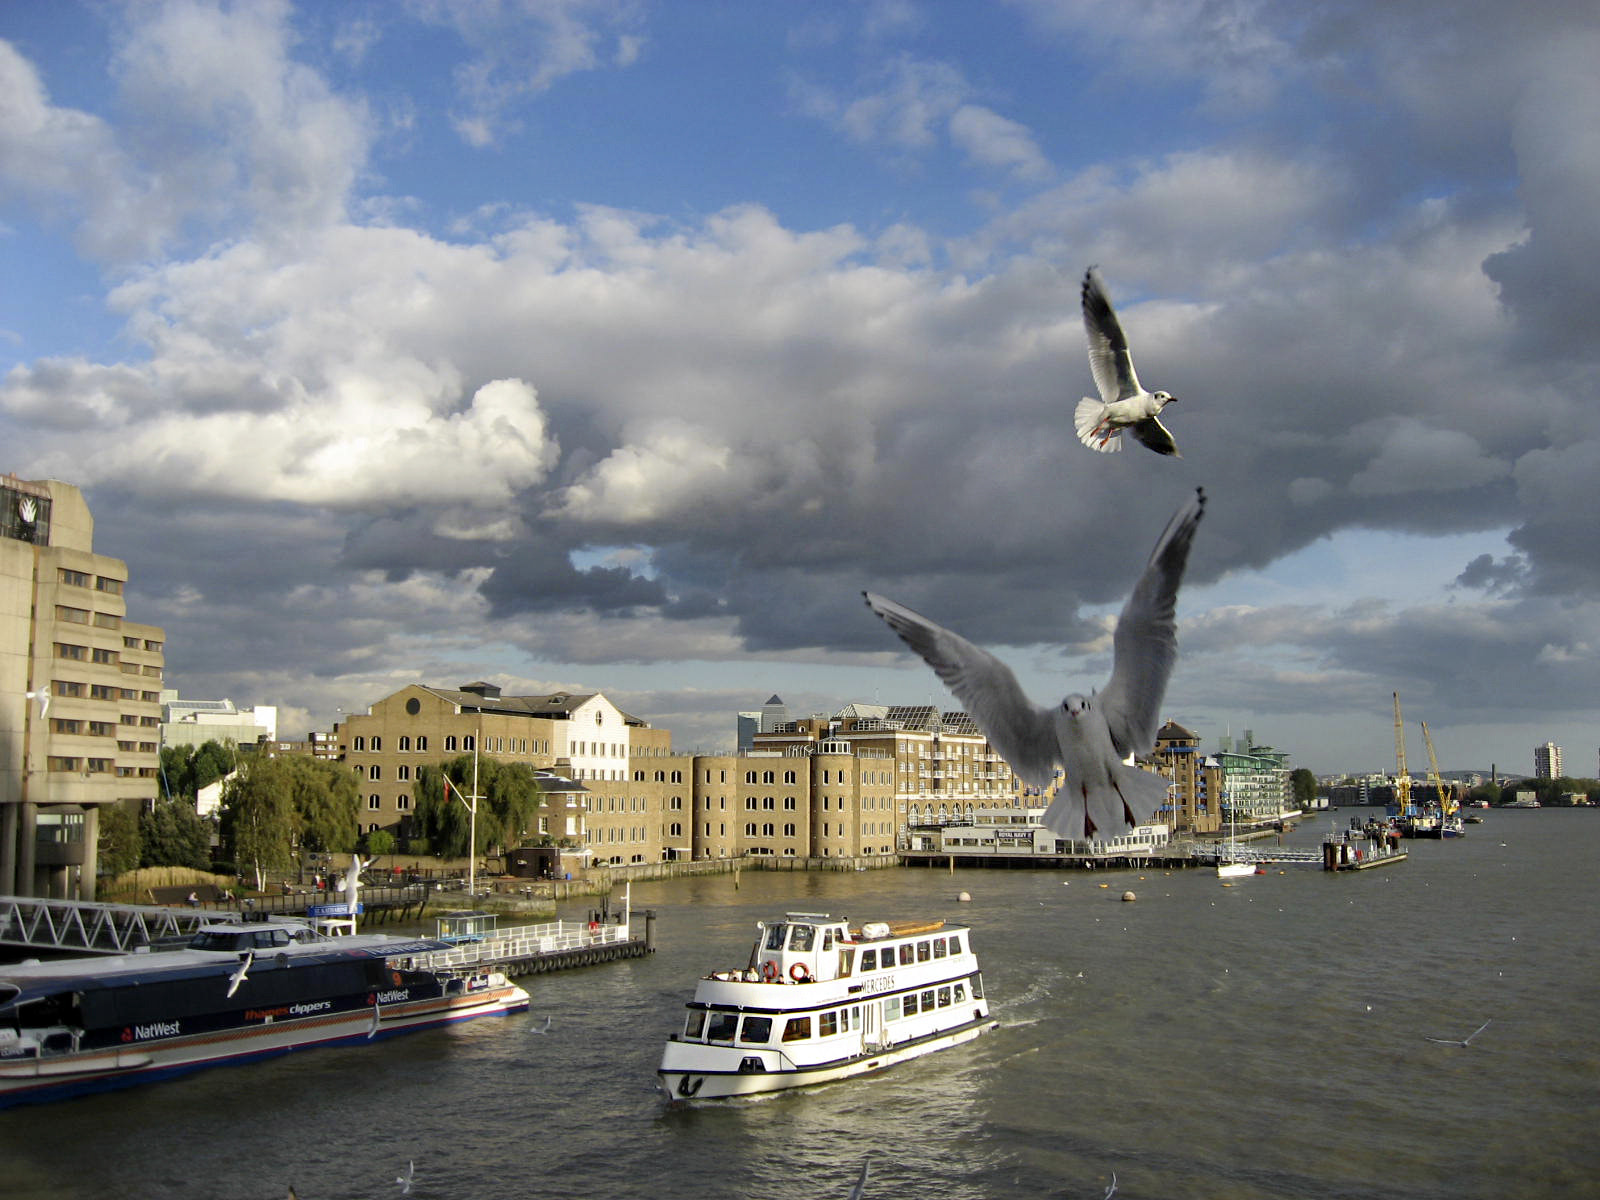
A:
x: 861, y: 1181
x: 545, y: 1028
x: 405, y: 1180
x: 1466, y: 1041
x: 240, y: 973
x: 1123, y: 403
x: 1091, y: 736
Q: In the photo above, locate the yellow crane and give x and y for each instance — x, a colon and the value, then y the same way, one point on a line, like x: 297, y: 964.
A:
x: 1447, y: 795
x: 1402, y: 781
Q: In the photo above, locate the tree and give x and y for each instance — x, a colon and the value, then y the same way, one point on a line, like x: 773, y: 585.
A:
x: 1303, y: 785
x: 117, y: 844
x: 379, y: 843
x: 259, y: 820
x: 172, y: 834
x: 326, y: 801
x: 506, y: 813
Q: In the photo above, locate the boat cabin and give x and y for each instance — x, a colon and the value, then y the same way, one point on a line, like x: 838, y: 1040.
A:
x: 803, y: 947
x: 255, y: 939
x: 467, y: 926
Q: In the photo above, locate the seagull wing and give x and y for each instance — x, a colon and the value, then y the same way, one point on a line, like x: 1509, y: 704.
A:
x: 1020, y: 730
x: 1154, y: 434
x: 861, y: 1182
x: 1146, y: 641
x: 1109, y: 358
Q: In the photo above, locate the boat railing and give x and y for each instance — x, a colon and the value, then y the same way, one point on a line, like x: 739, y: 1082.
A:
x: 527, y: 941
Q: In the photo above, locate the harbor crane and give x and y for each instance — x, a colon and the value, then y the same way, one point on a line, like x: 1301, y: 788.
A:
x: 1402, y: 781
x: 1447, y: 793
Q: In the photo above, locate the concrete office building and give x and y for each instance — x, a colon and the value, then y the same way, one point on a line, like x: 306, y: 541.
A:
x: 80, y: 691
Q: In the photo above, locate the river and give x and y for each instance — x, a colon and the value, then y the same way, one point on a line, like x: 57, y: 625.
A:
x: 1266, y: 1039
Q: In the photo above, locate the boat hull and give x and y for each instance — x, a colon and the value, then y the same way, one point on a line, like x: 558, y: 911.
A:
x: 58, y: 1076
x: 692, y: 1076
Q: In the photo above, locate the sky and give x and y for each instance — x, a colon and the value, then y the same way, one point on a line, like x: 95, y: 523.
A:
x: 615, y: 345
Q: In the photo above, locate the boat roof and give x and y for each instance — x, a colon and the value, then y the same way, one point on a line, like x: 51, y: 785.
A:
x: 33, y: 978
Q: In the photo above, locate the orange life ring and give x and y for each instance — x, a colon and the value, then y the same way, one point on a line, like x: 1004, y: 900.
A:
x: 799, y: 974
x: 769, y: 970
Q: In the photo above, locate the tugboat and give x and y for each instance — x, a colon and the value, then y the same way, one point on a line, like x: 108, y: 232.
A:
x: 820, y: 1001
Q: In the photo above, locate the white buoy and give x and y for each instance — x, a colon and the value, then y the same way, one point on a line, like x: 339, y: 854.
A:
x: 1129, y: 896
x: 964, y: 898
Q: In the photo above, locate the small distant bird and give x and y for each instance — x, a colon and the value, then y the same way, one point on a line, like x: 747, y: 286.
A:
x: 372, y: 1025
x: 1123, y: 403
x: 1111, y: 1188
x: 405, y: 1180
x: 545, y: 1028
x: 1466, y: 1041
x: 860, y: 1188
x: 240, y: 973
x: 1091, y: 736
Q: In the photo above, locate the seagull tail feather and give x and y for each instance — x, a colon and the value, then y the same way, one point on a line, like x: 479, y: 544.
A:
x: 1087, y: 419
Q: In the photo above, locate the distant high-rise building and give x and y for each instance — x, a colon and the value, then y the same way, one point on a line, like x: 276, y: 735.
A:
x: 1547, y: 761
x: 80, y: 692
x: 749, y: 725
x: 773, y: 713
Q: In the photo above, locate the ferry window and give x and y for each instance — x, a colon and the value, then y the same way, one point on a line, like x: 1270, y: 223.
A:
x: 955, y: 945
x: 695, y: 1025
x: 891, y: 1009
x: 827, y: 1024
x: 944, y: 997
x: 908, y: 954
x: 977, y: 987
x: 922, y: 951
x: 853, y: 1016
x: 797, y: 1030
x: 775, y: 934
x: 827, y: 939
x: 869, y: 960
x: 938, y: 947
x: 961, y: 993
x: 756, y: 1029
x: 802, y: 937
x: 722, y: 1027
x: 927, y: 1000
x: 908, y: 1005
x: 847, y: 961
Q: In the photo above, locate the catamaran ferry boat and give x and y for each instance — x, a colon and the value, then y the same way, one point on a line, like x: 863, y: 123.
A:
x: 821, y: 1001
x: 235, y: 992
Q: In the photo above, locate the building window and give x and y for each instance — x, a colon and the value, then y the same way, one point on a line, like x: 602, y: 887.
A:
x: 68, y: 650
x: 374, y: 801
x: 403, y: 771
x: 110, y: 586
x: 450, y: 742
x: 78, y: 616
x: 403, y: 802
x: 470, y: 742
x: 75, y: 578
x: 359, y: 743
x: 422, y: 742
x: 405, y: 744
x: 61, y: 763
x: 377, y: 743
x: 375, y: 772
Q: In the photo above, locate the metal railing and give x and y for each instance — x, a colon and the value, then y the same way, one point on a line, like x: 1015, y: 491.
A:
x: 100, y: 928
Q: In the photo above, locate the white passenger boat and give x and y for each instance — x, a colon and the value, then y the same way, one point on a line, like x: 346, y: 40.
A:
x: 821, y: 1001
x: 235, y: 992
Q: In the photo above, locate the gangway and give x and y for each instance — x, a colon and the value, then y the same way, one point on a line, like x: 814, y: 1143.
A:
x: 76, y: 925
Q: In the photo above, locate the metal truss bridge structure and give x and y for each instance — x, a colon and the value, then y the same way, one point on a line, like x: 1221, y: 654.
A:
x: 74, y: 925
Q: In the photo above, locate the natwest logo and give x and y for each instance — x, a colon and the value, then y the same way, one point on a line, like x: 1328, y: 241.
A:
x: 139, y: 1033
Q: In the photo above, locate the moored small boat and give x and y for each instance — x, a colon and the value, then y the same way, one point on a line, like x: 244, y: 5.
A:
x: 820, y: 1001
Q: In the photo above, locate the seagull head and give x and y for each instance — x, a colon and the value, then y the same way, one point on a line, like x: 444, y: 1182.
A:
x: 1075, y: 705
x: 1164, y: 398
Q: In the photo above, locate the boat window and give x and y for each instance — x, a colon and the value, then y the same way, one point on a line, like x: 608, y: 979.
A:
x: 977, y: 987
x: 802, y: 937
x: 955, y: 945
x: 756, y: 1029
x: 827, y: 1024
x: 891, y: 1009
x: 722, y: 1027
x: 869, y: 960
x: 775, y: 937
x: 827, y: 939
x: 961, y: 993
x: 855, y: 1017
x: 923, y: 952
x: 908, y: 954
x: 938, y: 947
x: 944, y: 997
x: 797, y: 1030
x: 847, y: 961
x: 927, y: 1000
x: 695, y: 1025
x: 908, y: 1004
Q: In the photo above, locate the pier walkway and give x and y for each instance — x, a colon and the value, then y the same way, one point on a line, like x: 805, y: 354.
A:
x: 550, y: 946
x: 74, y: 925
